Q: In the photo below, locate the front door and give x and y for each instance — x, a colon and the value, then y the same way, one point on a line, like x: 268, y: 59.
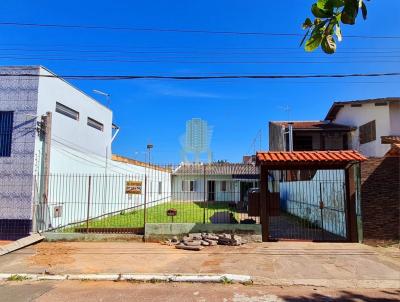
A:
x: 211, y: 190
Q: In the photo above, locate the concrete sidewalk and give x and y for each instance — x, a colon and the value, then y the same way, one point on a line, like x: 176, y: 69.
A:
x: 336, y: 265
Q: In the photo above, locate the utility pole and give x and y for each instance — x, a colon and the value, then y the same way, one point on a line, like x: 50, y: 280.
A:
x: 47, y: 121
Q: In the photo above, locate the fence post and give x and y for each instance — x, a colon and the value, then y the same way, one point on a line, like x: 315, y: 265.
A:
x: 321, y: 207
x: 145, y: 201
x: 88, y: 205
x: 204, y: 194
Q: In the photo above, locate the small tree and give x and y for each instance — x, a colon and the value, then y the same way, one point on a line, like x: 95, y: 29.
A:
x: 328, y: 16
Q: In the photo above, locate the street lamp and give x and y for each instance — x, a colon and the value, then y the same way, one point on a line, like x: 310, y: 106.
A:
x: 149, y: 147
x: 107, y: 95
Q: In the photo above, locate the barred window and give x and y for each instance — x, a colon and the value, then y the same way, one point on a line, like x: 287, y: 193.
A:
x: 188, y: 185
x: 6, y: 129
x: 367, y: 132
x: 160, y: 187
x: 67, y: 111
x: 95, y: 124
x: 223, y: 186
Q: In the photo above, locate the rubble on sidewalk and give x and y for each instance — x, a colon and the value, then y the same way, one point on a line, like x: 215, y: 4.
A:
x: 197, y: 241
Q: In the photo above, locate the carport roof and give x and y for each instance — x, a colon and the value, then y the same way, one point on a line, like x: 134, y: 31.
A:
x: 319, y: 159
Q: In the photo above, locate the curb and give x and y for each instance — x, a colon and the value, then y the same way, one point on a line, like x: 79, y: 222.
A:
x: 331, y: 283
x: 223, y: 278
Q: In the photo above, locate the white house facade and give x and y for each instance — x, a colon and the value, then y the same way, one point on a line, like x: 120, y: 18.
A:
x: 375, y: 121
x: 216, y: 182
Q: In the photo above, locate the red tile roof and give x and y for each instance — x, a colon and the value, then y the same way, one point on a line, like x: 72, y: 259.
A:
x: 309, y: 157
x: 315, y: 125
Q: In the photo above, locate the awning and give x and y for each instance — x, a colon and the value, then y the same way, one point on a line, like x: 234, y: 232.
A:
x: 308, y: 159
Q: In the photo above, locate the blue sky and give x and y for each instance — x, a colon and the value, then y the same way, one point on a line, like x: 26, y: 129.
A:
x: 156, y: 111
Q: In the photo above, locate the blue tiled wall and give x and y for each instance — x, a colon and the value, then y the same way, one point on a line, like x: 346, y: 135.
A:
x: 16, y: 172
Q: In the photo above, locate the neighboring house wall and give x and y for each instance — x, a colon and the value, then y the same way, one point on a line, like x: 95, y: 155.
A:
x: 69, y: 192
x: 77, y: 151
x: 16, y: 172
x: 67, y: 131
x: 380, y: 198
x: 357, y: 116
x: 394, y: 119
x: 332, y: 140
x: 276, y: 142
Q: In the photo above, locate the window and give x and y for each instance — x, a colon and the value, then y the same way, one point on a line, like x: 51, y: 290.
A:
x: 224, y: 186
x: 188, y: 185
x: 95, y: 124
x: 367, y: 132
x: 160, y: 187
x: 302, y: 143
x: 64, y: 110
x: 6, y: 127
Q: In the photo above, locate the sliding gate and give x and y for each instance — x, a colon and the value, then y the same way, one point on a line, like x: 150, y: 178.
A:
x: 307, y: 205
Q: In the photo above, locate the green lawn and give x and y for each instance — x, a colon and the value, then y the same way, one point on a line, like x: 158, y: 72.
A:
x: 187, y: 212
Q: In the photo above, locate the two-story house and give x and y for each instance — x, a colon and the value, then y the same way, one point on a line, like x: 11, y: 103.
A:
x: 369, y: 126
x: 376, y: 123
x: 309, y: 135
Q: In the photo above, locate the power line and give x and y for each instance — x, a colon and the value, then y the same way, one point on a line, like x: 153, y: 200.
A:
x: 175, y: 30
x: 210, y: 51
x: 169, y: 47
x: 194, y: 62
x: 209, y: 77
x: 54, y: 54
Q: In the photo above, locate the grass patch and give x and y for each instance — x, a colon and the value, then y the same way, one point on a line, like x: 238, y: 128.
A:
x: 17, y: 278
x: 225, y: 280
x: 187, y: 212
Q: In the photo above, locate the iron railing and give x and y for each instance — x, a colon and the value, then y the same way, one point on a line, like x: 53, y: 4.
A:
x: 188, y: 193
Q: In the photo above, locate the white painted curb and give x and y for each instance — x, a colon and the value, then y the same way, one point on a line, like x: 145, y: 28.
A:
x: 133, y: 277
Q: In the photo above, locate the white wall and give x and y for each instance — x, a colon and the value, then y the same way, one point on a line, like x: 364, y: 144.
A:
x: 232, y: 194
x: 357, y: 116
x: 79, y: 151
x: 69, y: 191
x: 67, y: 130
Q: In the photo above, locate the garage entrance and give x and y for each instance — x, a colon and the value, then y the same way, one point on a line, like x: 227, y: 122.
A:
x: 309, y: 195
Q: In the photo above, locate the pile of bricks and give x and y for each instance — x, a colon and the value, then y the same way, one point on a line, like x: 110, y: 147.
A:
x: 197, y: 241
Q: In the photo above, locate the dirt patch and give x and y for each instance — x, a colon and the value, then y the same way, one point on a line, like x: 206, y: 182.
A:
x: 4, y: 242
x: 51, y: 254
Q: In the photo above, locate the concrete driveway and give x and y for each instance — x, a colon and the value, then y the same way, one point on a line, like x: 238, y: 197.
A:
x: 338, y: 265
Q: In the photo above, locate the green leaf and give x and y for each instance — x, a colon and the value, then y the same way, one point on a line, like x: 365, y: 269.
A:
x: 350, y: 12
x: 307, y: 23
x: 329, y: 28
x: 321, y: 13
x: 364, y: 11
x: 313, y: 42
x: 338, y: 32
x: 322, y: 4
x: 329, y: 4
x: 328, y: 45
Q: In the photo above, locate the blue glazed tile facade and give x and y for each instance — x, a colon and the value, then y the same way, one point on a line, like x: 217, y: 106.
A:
x: 19, y: 95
